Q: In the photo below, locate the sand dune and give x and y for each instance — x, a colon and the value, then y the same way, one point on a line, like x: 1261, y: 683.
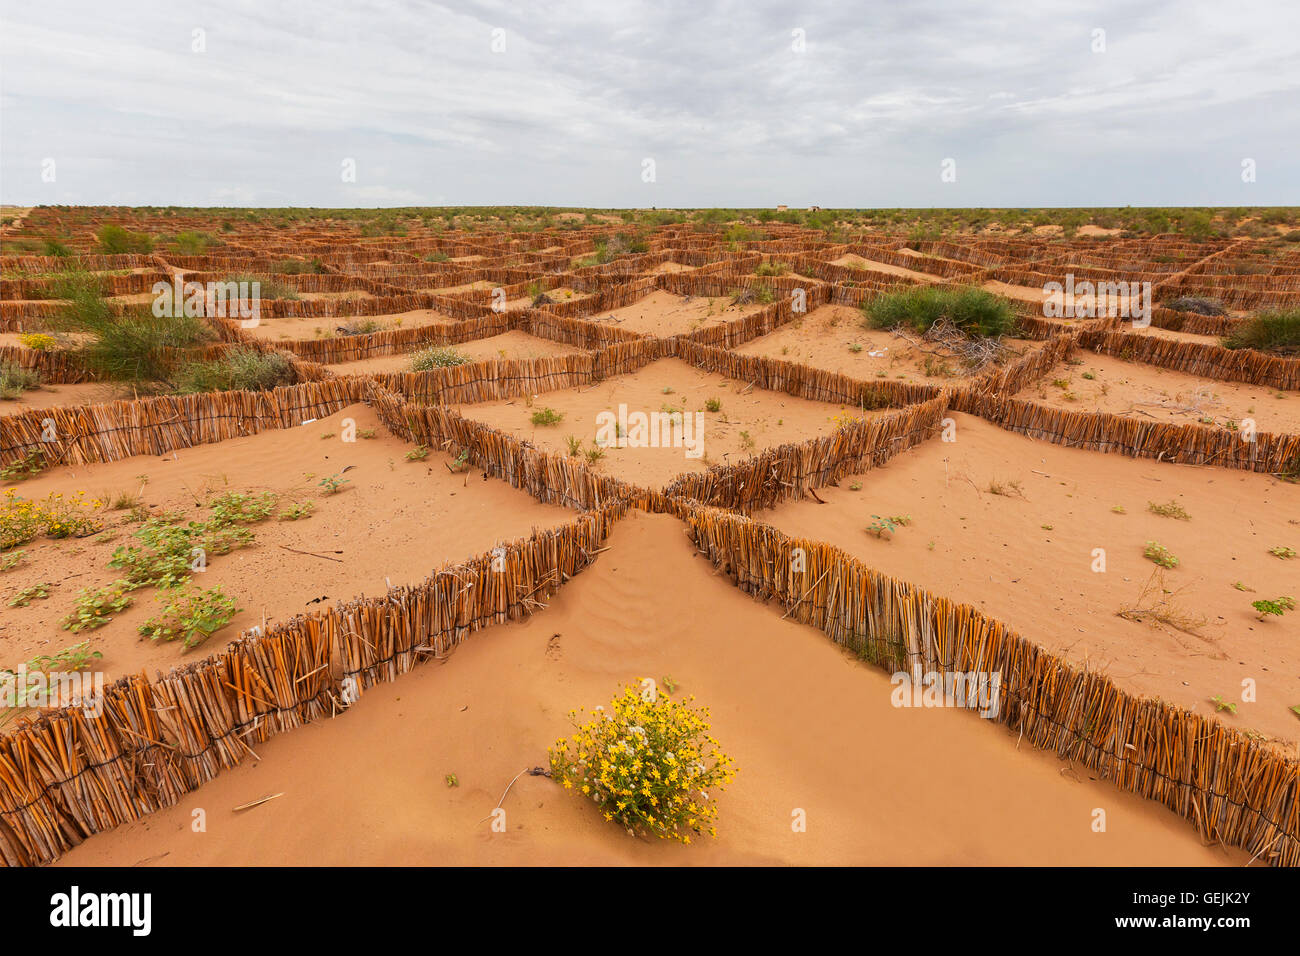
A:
x: 810, y: 727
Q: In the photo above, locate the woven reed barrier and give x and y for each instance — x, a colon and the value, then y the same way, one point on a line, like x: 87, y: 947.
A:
x: 736, y: 332
x: 552, y: 478
x: 789, y: 471
x: 722, y: 284
x: 134, y: 283
x: 27, y: 316
x: 65, y: 775
x: 1197, y: 358
x: 353, y: 348
x: 941, y: 267
x: 346, y: 308
x: 1192, y: 322
x: 1235, y: 790
x: 55, y: 367
x: 94, y: 263
x: 1189, y: 444
x: 802, y: 381
x: 153, y: 426
x: 490, y: 379
x: 829, y: 272
x: 494, y: 379
x: 586, y: 335
x: 1029, y: 368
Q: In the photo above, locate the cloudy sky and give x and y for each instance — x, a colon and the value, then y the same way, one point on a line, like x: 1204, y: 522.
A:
x: 737, y: 104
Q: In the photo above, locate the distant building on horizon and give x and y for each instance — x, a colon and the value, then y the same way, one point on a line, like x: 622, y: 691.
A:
x: 782, y: 208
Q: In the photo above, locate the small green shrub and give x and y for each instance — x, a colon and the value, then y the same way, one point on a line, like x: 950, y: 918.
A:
x: 440, y: 356
x: 1276, y: 607
x: 115, y: 240
x: 971, y: 309
x: 191, y: 616
x: 547, y: 416
x: 1159, y: 554
x: 240, y: 370
x: 95, y: 608
x: 14, y: 380
x: 1274, y: 330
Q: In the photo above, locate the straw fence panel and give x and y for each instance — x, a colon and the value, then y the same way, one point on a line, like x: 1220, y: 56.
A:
x: 68, y: 774
x: 1233, y: 789
x: 791, y: 470
x: 1177, y: 321
x: 802, y: 381
x: 1197, y: 358
x: 551, y: 478
x: 1190, y: 444
x: 55, y: 367
x: 154, y: 426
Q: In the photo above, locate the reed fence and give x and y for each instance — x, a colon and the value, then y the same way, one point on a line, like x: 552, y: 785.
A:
x: 69, y: 773
x: 1234, y: 789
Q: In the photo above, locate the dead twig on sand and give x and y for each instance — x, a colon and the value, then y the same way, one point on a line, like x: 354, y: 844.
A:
x: 256, y: 803
x: 313, y: 554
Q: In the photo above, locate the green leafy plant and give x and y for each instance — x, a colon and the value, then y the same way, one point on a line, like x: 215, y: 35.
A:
x: 77, y: 657
x: 1276, y: 331
x: 14, y: 380
x: 1171, y: 510
x: 114, y: 240
x: 1159, y: 554
x: 243, y: 369
x: 136, y: 347
x: 333, y: 484
x: 298, y: 511
x: 242, y: 507
x: 95, y: 608
x: 882, y: 527
x: 1221, y: 705
x: 1282, y: 552
x: 29, y: 466
x: 191, y: 616
x: 460, y: 462
x: 547, y: 416
x: 971, y: 309
x: 713, y: 405
x: 1276, y: 607
x: 34, y: 592
x: 418, y: 453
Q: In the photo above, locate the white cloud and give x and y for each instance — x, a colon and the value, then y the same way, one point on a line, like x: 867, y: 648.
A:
x: 584, y: 90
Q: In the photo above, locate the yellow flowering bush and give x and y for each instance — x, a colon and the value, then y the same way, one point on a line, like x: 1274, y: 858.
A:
x: 648, y: 762
x: 38, y: 341
x: 23, y: 520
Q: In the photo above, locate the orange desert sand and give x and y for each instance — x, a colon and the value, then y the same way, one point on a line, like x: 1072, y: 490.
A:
x: 394, y: 523
x: 1027, y: 560
x: 767, y: 418
x: 810, y: 727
